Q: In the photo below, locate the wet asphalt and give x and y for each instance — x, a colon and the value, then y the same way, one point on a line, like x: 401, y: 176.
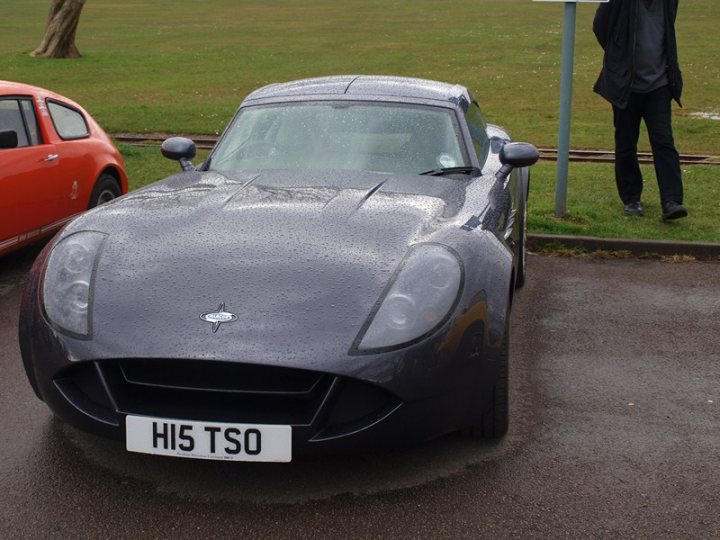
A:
x: 615, y: 432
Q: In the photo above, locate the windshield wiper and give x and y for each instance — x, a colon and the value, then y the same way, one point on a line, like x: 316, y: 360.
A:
x: 466, y: 169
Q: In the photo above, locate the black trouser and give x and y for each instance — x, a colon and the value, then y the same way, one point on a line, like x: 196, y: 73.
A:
x: 655, y: 109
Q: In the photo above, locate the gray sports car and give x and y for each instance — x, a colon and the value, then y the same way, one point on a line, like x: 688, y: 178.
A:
x: 337, y: 275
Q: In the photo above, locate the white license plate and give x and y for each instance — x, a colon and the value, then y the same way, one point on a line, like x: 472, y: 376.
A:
x: 208, y: 440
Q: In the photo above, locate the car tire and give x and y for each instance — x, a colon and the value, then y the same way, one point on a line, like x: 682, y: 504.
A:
x: 493, y: 422
x: 106, y: 189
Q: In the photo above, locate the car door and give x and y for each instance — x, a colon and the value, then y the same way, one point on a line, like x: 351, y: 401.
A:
x: 76, y: 166
x: 28, y: 192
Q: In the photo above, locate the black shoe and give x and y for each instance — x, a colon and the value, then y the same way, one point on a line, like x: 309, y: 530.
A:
x: 633, y: 209
x: 673, y: 210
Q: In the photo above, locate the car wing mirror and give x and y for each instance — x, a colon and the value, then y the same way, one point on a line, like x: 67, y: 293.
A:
x: 8, y: 138
x: 516, y: 154
x: 179, y: 149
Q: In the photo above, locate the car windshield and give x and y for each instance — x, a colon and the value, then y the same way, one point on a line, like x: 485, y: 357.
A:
x: 383, y: 137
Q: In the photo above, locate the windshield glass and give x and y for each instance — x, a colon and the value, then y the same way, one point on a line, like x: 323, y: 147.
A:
x: 383, y: 137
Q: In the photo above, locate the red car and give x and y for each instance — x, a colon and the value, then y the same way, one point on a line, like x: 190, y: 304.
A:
x: 55, y: 163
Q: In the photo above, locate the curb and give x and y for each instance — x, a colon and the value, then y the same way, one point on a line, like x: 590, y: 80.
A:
x: 698, y: 250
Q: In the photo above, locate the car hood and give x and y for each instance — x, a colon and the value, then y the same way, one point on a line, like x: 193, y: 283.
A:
x: 301, y: 267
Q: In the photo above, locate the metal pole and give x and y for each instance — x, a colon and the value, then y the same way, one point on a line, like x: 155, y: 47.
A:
x: 568, y: 54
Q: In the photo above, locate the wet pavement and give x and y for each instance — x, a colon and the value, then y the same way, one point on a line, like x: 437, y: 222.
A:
x: 615, y: 431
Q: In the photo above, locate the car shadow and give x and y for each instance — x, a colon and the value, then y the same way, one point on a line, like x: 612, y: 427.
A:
x: 304, y: 479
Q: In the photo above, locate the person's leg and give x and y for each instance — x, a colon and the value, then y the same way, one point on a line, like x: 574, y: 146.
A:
x: 627, y: 169
x: 658, y: 120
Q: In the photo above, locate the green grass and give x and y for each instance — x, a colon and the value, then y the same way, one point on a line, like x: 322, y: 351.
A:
x: 594, y: 208
x: 183, y: 66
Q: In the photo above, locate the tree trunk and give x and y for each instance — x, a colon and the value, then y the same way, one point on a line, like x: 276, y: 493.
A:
x: 59, y: 40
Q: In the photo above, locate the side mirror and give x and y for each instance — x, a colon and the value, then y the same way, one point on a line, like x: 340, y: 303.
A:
x: 8, y: 138
x: 519, y: 154
x: 179, y: 149
x: 516, y: 154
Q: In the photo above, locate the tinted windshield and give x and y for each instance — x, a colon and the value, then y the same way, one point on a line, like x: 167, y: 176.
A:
x: 380, y: 137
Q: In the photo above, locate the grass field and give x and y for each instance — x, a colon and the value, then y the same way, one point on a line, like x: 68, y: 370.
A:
x: 184, y: 66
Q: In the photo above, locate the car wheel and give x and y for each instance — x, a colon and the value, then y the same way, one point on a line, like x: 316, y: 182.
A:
x: 106, y: 189
x: 493, y: 423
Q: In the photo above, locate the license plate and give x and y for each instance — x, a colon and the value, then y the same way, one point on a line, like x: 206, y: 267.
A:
x: 208, y: 440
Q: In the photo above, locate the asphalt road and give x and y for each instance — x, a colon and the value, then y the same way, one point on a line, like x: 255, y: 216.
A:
x: 615, y: 433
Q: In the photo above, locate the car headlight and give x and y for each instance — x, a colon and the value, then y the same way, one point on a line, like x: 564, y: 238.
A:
x: 69, y: 281
x: 419, y: 298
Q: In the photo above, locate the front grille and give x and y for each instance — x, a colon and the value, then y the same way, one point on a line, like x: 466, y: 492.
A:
x: 202, y: 390
x: 218, y: 377
x: 221, y: 391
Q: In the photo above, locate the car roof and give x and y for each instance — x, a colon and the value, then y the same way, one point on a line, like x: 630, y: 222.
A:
x: 9, y: 88
x: 363, y: 86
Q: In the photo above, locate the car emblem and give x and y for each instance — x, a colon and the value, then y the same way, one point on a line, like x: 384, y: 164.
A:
x: 218, y: 317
